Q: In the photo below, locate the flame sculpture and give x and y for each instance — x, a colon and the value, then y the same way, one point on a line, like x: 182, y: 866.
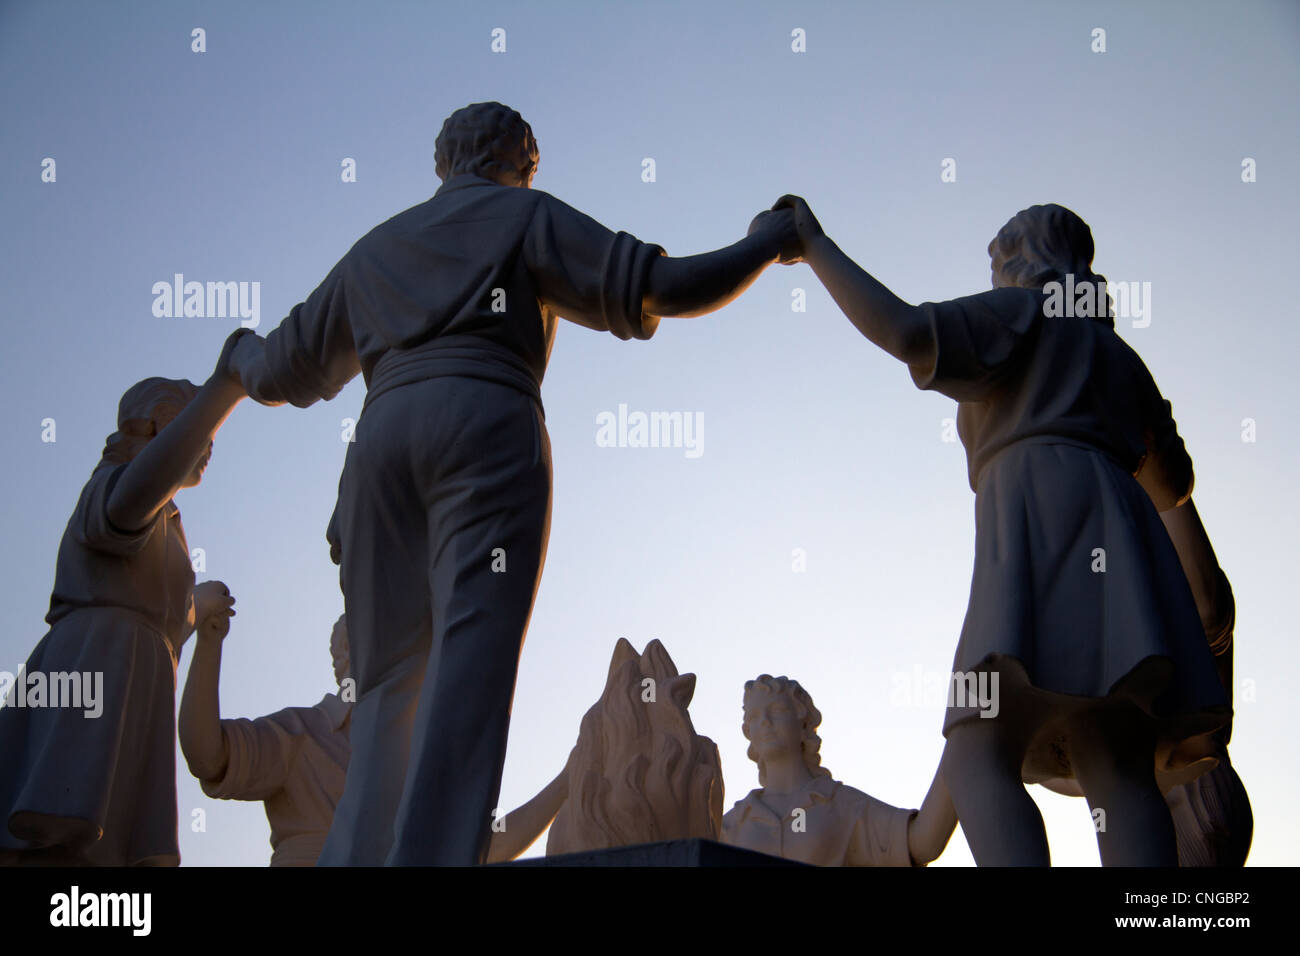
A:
x: 639, y: 772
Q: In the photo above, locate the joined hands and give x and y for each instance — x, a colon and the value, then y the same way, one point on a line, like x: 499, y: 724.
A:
x: 792, y: 226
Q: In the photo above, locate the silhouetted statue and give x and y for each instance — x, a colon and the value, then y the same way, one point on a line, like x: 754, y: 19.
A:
x: 93, y: 782
x: 1078, y: 603
x: 1212, y: 815
x: 449, y: 310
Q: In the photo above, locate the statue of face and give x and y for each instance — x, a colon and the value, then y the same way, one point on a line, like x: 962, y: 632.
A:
x: 773, y: 723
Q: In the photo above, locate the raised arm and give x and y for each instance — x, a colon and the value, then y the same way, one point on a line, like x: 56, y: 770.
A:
x: 696, y: 285
x: 202, y: 740
x: 308, y: 357
x: 932, y: 827
x: 896, y: 326
x: 160, y: 469
x: 613, y: 282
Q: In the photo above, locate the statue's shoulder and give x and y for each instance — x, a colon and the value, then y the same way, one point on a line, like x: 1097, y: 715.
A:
x: 741, y: 808
x: 847, y: 799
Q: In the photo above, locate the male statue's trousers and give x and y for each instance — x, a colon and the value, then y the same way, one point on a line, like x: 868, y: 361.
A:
x: 443, y: 514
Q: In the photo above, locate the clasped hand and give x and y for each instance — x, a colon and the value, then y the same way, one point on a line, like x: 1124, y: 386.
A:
x: 791, y: 224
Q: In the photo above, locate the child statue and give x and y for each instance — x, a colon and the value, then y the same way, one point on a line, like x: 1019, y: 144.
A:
x: 101, y: 790
x: 1077, y: 602
x: 801, y: 812
x: 295, y: 760
x: 449, y: 311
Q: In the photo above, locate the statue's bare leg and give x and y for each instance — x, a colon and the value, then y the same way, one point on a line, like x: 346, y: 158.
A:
x: 981, y: 767
x: 1112, y: 750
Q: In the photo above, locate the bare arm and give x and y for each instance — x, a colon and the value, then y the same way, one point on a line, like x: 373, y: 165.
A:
x: 1209, y: 585
x: 1166, y: 471
x: 696, y: 285
x: 203, y: 742
x: 151, y: 478
x: 932, y: 827
x: 524, y: 825
x: 899, y: 328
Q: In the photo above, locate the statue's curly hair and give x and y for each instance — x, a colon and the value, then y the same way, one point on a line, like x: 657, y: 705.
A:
x: 807, y: 713
x: 1044, y: 244
x: 143, y: 406
x: 486, y: 139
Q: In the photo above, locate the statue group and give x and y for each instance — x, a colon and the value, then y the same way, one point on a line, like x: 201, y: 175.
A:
x: 1113, y: 686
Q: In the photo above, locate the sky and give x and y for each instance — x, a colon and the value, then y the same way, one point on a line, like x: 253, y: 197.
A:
x: 227, y: 165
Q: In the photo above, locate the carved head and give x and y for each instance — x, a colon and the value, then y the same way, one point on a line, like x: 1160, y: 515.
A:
x: 340, y: 651
x: 640, y: 772
x: 781, y: 720
x: 146, y: 408
x: 489, y: 140
x: 1043, y: 244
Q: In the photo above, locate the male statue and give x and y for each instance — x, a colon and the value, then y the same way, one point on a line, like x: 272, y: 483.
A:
x: 449, y: 310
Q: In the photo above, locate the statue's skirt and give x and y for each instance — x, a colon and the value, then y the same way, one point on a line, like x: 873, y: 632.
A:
x: 103, y: 787
x: 1077, y: 600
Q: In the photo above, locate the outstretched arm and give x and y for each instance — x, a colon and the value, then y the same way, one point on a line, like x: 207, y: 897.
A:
x: 896, y: 326
x: 696, y: 285
x: 524, y: 825
x: 154, y: 475
x: 929, y: 831
x: 308, y: 357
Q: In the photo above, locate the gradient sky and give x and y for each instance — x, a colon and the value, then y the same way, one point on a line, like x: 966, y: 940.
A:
x: 225, y: 165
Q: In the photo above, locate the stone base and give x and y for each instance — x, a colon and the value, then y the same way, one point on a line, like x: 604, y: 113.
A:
x: 666, y: 853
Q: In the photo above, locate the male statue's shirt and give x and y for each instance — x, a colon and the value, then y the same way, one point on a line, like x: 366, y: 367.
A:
x: 480, y: 270
x: 840, y: 826
x: 296, y: 762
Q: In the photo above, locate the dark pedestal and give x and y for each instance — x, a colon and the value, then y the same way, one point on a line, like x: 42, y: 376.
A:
x: 667, y: 853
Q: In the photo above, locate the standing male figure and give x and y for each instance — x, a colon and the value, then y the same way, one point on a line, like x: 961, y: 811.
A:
x: 449, y: 309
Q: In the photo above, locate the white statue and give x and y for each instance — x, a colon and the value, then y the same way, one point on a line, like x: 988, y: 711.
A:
x: 295, y: 760
x: 801, y: 812
x: 639, y: 772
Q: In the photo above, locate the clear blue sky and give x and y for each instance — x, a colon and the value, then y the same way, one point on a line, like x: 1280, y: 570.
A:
x: 225, y: 165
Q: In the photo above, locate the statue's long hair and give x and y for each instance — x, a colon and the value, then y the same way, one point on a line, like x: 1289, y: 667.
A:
x: 144, y: 409
x: 640, y: 773
x: 1044, y: 244
x: 809, y: 717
